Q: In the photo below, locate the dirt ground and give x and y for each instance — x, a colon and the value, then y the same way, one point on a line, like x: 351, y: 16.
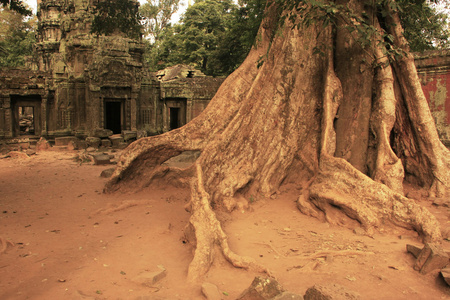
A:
x: 74, y: 242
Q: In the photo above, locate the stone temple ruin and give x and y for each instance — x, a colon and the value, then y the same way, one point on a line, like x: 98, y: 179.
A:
x: 82, y: 85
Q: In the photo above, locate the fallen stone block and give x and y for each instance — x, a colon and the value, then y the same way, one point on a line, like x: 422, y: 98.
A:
x: 101, y: 159
x: 431, y: 257
x: 106, y: 143
x: 30, y: 152
x: 211, y: 291
x: 150, y: 278
x: 445, y: 272
x: 129, y: 135
x: 116, y: 140
x: 42, y: 144
x: 415, y: 251
x: 330, y: 292
x: 107, y: 173
x: 65, y: 140
x: 72, y: 146
x: 102, y: 133
x: 288, y: 296
x: 262, y: 289
x: 141, y: 133
x: 93, y: 141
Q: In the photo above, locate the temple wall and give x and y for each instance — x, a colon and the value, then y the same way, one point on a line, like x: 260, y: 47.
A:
x: 433, y: 68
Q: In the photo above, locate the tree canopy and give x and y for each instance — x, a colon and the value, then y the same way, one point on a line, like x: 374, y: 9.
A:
x: 113, y: 16
x: 222, y: 47
x: 156, y: 15
x: 16, y: 5
x: 17, y: 37
x: 213, y: 35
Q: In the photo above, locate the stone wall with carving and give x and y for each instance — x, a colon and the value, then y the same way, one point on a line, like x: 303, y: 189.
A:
x: 434, y: 72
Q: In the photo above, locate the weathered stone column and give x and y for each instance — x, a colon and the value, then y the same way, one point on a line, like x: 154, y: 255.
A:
x: 8, y: 131
x: 189, y: 104
x: 44, y: 117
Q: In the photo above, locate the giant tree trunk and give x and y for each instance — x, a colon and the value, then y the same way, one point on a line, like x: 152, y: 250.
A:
x: 349, y: 133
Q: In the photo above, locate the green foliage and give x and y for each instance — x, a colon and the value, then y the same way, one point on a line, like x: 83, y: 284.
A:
x: 424, y: 27
x: 214, y: 35
x: 114, y: 16
x: 156, y: 15
x: 17, y: 6
x: 17, y: 38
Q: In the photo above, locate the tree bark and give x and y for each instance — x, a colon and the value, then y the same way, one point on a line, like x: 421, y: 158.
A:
x: 309, y: 119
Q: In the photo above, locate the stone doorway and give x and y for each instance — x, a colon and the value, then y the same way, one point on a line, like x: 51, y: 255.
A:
x: 176, y: 113
x: 114, y: 115
x: 26, y: 117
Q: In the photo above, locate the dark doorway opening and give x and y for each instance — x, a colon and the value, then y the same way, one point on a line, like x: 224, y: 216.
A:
x: 174, y: 117
x: 113, y: 116
x: 26, y: 120
x: 26, y: 115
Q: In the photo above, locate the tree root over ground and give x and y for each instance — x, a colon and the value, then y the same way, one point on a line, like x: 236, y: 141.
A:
x: 286, y: 121
x: 372, y: 204
x: 209, y: 233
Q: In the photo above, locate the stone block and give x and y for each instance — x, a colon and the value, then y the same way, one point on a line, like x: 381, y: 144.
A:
x: 445, y: 272
x: 101, y: 159
x: 116, y: 140
x: 211, y: 291
x: 330, y: 292
x: 262, y: 289
x: 288, y: 296
x: 93, y: 141
x: 107, y: 173
x: 141, y: 134
x: 30, y: 152
x: 150, y: 278
x: 129, y: 135
x: 72, y: 146
x: 24, y: 145
x: 106, y: 143
x: 65, y: 140
x: 431, y: 257
x: 42, y: 144
x: 102, y: 133
x: 415, y: 251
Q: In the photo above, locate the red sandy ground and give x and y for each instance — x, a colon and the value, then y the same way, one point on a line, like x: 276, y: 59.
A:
x: 74, y: 242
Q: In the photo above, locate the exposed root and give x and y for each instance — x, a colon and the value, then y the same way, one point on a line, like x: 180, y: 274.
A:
x: 372, y: 204
x: 4, y: 242
x: 208, y: 233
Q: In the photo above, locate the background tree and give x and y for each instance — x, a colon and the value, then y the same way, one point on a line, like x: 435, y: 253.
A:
x: 113, y: 16
x: 240, y: 35
x: 425, y: 27
x: 17, y: 37
x: 17, y: 6
x: 156, y: 15
x: 213, y: 35
x: 329, y: 102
